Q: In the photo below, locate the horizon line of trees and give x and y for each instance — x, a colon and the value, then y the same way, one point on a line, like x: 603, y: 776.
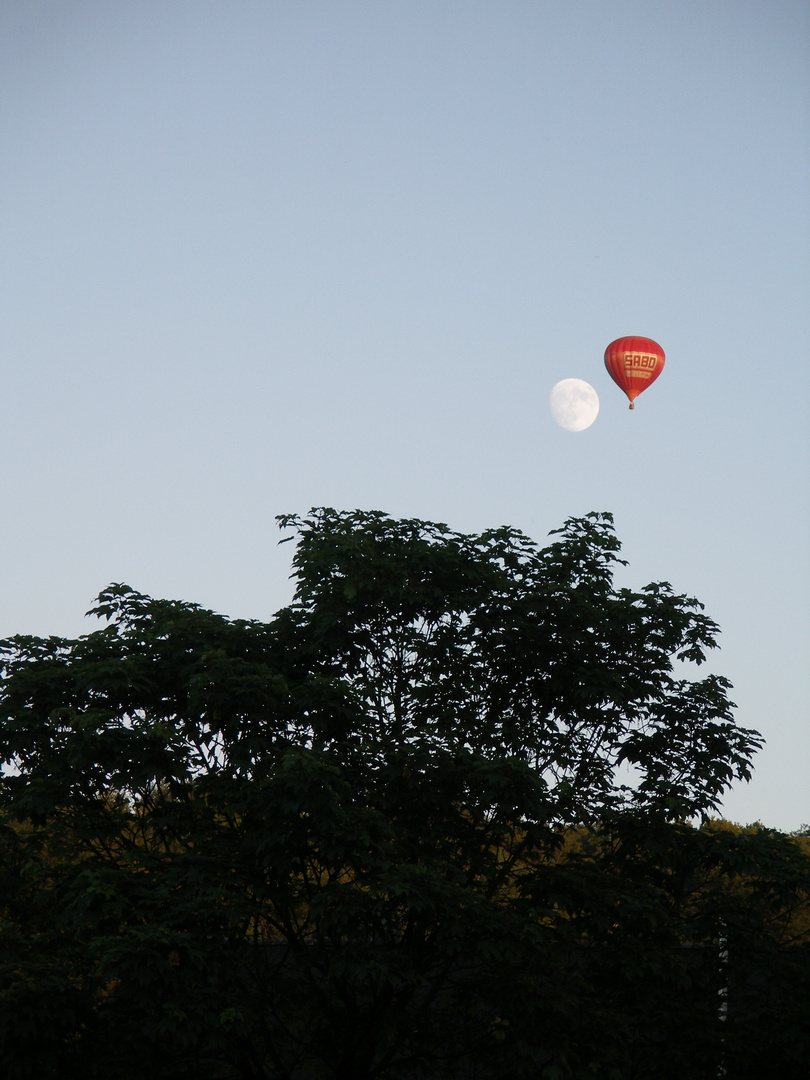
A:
x: 435, y: 819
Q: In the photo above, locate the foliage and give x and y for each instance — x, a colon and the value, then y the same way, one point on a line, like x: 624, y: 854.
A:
x: 493, y: 645
x: 427, y: 822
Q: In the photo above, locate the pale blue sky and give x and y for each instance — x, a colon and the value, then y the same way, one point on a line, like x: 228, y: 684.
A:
x: 262, y: 256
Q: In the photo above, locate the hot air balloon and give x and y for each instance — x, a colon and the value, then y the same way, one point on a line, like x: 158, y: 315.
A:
x: 634, y: 363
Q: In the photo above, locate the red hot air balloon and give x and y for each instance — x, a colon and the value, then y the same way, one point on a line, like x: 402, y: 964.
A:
x: 633, y: 363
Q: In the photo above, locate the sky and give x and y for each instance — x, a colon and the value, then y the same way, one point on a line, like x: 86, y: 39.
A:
x: 261, y: 256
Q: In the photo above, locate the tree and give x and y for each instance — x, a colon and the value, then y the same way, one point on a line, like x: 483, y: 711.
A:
x: 492, y: 645
x: 334, y: 845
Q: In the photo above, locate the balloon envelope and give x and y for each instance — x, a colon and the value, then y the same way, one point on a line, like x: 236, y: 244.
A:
x: 634, y: 363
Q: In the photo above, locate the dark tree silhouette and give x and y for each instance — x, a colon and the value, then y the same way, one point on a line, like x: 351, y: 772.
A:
x: 427, y: 822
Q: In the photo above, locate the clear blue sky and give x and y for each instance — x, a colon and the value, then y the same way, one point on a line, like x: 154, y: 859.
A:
x: 260, y: 256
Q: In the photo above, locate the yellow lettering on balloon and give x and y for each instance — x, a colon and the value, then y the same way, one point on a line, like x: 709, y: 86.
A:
x: 640, y: 365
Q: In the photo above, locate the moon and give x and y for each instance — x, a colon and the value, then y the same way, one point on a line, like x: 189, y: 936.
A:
x: 574, y: 404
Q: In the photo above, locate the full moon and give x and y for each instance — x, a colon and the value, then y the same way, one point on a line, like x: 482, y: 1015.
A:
x: 574, y: 404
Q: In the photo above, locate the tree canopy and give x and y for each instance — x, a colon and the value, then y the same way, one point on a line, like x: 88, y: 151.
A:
x: 430, y: 819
